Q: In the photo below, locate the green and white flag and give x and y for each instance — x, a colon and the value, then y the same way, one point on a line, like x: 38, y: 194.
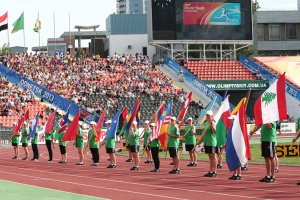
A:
x: 18, y: 24
x: 37, y: 26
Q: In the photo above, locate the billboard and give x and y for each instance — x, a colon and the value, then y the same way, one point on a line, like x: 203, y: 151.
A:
x: 200, y: 20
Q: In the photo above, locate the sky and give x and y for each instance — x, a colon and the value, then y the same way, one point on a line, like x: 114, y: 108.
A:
x: 86, y: 12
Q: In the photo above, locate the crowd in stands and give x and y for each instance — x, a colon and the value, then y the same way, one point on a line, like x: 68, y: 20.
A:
x: 77, y: 78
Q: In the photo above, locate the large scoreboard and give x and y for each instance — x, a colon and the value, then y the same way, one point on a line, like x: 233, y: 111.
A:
x: 200, y: 20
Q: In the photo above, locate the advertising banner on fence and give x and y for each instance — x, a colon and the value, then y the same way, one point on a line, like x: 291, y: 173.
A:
x: 238, y: 85
x: 41, y: 92
x: 288, y: 150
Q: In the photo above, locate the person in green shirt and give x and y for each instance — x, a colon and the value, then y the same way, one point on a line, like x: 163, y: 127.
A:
x: 154, y: 145
x: 15, y: 139
x: 298, y: 124
x: 127, y: 144
x: 173, y: 144
x: 24, y: 139
x: 62, y: 145
x: 79, y: 143
x: 93, y: 144
x: 110, y: 144
x: 190, y: 142
x: 210, y: 143
x: 34, y: 146
x: 295, y: 139
x: 134, y: 142
x: 49, y: 139
x: 268, y: 141
x: 147, y: 133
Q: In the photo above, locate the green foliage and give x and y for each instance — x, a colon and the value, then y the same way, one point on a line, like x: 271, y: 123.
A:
x: 4, y: 50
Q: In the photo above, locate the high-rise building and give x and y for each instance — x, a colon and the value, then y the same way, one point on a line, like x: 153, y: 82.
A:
x: 131, y: 6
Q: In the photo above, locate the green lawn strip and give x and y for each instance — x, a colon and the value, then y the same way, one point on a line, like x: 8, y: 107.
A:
x: 12, y: 190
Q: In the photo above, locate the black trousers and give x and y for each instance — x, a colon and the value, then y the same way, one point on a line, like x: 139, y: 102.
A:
x: 35, y: 151
x: 49, y: 147
x: 95, y: 154
x: 155, y: 157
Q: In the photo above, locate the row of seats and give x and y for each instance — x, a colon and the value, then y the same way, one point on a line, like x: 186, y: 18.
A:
x: 219, y: 70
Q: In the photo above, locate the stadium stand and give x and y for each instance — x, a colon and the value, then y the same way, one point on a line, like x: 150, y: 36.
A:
x: 220, y: 70
x: 92, y: 83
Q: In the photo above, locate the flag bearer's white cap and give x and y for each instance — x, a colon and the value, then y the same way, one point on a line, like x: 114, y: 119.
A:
x: 190, y: 119
x: 108, y: 122
x: 210, y: 113
x: 147, y: 122
x: 93, y: 123
x: 173, y: 118
x: 152, y: 124
x: 134, y: 122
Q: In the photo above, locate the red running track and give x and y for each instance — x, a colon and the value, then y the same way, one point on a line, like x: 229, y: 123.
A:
x: 121, y: 183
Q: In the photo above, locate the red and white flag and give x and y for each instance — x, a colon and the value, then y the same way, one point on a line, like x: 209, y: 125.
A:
x: 271, y: 106
x: 184, y: 108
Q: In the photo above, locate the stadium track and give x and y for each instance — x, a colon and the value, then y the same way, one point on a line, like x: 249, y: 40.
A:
x: 121, y: 183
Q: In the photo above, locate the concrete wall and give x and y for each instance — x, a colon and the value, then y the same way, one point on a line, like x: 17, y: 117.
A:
x: 130, y: 44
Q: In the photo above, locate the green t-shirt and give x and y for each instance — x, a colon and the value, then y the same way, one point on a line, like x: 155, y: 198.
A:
x: 79, y: 139
x: 49, y: 136
x: 209, y: 137
x: 268, y: 134
x: 91, y: 138
x: 60, y: 137
x: 110, y: 143
x: 172, y: 141
x: 35, y: 139
x: 155, y: 143
x: 190, y: 139
x: 135, y: 140
x: 25, y: 132
x: 15, y: 139
x: 147, y: 134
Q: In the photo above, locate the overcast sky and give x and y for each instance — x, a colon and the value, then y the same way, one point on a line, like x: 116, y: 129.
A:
x: 87, y: 12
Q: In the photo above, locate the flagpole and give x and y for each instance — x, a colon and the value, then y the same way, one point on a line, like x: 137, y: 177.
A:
x: 54, y: 33
x: 24, y: 38
x: 7, y: 33
x: 39, y: 32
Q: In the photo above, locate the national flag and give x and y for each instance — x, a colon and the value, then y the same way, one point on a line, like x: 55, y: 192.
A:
x: 122, y: 119
x: 184, y: 108
x: 73, y: 128
x: 133, y: 115
x: 37, y: 26
x: 3, y: 26
x: 159, y: 112
x: 18, y: 24
x: 237, y: 108
x: 99, y: 126
x: 49, y: 123
x: 19, y: 124
x: 26, y: 116
x: 222, y: 121
x: 63, y: 122
x: 271, y: 106
x: 112, y: 131
x: 163, y: 123
x: 32, y: 129
x: 237, y: 144
x: 202, y: 115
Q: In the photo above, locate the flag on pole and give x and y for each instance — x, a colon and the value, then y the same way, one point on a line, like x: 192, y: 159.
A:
x: 26, y: 116
x: 162, y: 125
x: 32, y: 129
x: 202, y: 115
x: 237, y: 144
x: 63, y: 122
x: 271, y: 105
x: 133, y: 115
x: 18, y: 24
x: 99, y: 127
x: 112, y: 131
x: 185, y: 108
x: 159, y: 112
x: 72, y: 130
x: 49, y: 123
x: 222, y: 121
x: 122, y: 119
x: 38, y: 25
x: 19, y: 124
x: 3, y: 24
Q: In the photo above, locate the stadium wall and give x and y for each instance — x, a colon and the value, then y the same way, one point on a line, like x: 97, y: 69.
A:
x: 130, y: 44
